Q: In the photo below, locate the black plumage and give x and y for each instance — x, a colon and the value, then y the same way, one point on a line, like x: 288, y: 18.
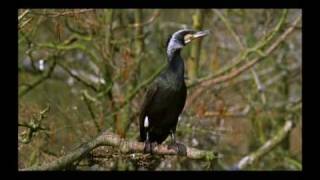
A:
x: 166, y: 96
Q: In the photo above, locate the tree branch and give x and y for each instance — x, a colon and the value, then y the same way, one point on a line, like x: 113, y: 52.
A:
x: 267, y: 147
x: 125, y: 146
x: 149, y: 21
x: 260, y: 87
x: 244, y: 55
x: 34, y: 125
x: 136, y: 90
x: 62, y: 13
x: 74, y: 74
x: 37, y: 82
x: 234, y: 73
x: 230, y: 29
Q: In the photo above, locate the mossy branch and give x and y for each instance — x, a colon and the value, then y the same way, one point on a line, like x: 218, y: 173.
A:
x: 256, y: 78
x: 125, y: 146
x: 236, y: 72
x: 266, y: 147
x: 257, y: 48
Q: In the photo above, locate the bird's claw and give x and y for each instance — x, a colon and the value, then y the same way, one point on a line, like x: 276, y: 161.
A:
x: 178, y: 147
x: 148, y: 147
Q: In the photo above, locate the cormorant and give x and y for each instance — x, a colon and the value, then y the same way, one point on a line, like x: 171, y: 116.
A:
x: 166, y: 96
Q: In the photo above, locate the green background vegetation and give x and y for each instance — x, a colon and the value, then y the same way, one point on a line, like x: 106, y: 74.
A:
x: 99, y: 62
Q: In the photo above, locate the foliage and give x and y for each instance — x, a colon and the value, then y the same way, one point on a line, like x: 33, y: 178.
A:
x: 92, y: 67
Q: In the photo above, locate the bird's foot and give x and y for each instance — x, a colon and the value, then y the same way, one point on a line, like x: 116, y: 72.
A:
x: 148, y: 147
x: 180, y: 148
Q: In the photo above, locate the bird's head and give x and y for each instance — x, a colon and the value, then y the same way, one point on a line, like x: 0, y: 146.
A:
x: 183, y: 37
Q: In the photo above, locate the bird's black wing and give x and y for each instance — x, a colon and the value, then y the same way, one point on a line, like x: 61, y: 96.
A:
x: 151, y: 92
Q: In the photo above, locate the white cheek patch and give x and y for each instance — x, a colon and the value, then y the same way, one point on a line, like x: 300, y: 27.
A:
x: 146, y: 122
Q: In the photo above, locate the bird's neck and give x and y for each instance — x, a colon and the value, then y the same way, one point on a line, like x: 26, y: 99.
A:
x: 176, y: 64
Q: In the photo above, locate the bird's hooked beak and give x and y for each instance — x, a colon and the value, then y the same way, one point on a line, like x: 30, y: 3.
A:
x: 189, y: 37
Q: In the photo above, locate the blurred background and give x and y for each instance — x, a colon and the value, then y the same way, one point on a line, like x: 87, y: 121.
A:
x: 83, y: 71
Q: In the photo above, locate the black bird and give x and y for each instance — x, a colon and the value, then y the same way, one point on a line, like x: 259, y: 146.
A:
x: 165, y: 98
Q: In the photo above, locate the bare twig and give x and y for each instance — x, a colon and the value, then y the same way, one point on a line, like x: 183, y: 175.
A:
x: 23, y: 14
x: 230, y: 29
x: 149, y: 21
x: 138, y: 89
x: 266, y: 72
x: 45, y: 76
x: 66, y: 13
x: 88, y: 104
x: 257, y: 48
x: 32, y: 66
x: 125, y: 146
x: 234, y: 73
x: 75, y: 76
x: 25, y: 23
x: 242, y: 113
x: 260, y: 87
x: 33, y: 126
x: 73, y: 46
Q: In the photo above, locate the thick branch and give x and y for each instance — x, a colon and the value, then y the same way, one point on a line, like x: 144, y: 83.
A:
x: 267, y: 147
x: 125, y: 146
